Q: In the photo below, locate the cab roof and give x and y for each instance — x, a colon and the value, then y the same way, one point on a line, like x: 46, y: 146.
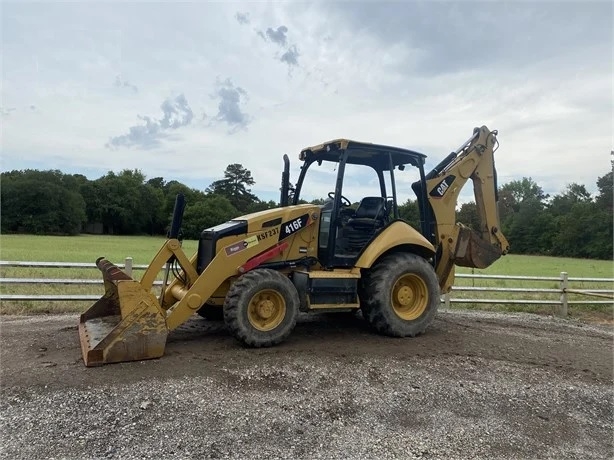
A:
x: 362, y: 153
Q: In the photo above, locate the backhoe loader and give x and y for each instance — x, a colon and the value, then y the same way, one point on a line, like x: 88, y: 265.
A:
x: 260, y: 270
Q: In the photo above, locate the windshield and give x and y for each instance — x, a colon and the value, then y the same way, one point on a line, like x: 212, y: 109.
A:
x: 366, y: 200
x: 359, y: 181
x: 317, y: 182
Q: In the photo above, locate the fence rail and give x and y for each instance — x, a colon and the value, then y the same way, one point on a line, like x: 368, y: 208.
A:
x: 563, y: 290
x: 127, y: 265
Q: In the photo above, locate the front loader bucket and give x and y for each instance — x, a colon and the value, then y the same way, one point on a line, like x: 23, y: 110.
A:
x: 125, y: 324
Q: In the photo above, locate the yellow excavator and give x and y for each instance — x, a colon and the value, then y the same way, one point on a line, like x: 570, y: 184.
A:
x: 260, y: 270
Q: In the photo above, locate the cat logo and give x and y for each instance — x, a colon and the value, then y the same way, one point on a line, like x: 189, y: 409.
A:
x: 442, y: 187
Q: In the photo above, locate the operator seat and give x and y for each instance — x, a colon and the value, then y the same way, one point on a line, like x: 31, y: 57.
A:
x: 369, y: 212
x: 369, y: 217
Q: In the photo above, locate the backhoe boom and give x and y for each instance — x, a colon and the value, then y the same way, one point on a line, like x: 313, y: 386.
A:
x: 457, y: 244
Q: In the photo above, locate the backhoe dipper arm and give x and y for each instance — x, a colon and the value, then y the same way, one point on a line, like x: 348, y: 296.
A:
x: 458, y: 244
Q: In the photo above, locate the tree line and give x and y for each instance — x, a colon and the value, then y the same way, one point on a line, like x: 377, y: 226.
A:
x: 125, y: 203
x: 573, y: 223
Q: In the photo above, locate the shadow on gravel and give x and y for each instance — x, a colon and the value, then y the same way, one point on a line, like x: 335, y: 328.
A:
x: 329, y: 333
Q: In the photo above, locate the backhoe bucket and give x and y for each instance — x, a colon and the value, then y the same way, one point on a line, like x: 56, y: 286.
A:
x: 125, y: 324
x: 473, y: 251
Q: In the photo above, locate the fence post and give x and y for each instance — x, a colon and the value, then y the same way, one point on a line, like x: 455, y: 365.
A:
x: 562, y: 310
x: 446, y: 300
x: 128, y: 266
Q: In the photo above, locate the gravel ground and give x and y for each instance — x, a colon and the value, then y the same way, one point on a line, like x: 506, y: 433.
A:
x: 476, y: 385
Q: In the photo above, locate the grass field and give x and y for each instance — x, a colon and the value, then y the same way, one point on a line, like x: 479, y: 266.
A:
x: 540, y: 266
x: 83, y: 248
x: 87, y: 248
x: 515, y: 264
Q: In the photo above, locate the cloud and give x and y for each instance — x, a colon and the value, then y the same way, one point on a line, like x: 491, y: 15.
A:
x: 290, y: 57
x: 540, y: 88
x: 142, y: 136
x: 177, y: 113
x: 6, y: 111
x: 229, y: 108
x: 119, y: 83
x: 277, y: 36
x: 242, y: 18
x: 442, y: 43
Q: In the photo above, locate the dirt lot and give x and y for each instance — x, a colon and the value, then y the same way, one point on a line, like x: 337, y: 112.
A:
x: 476, y: 385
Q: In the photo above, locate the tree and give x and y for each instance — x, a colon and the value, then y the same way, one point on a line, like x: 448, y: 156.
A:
x: 152, y: 202
x: 157, y: 183
x: 606, y: 191
x: 582, y: 226
x: 523, y: 190
x: 468, y: 215
x: 262, y: 206
x: 125, y: 204
x: 31, y: 203
x: 211, y: 210
x: 574, y: 193
x: 530, y: 230
x: 571, y: 223
x: 526, y: 226
x: 604, y: 231
x: 410, y: 212
x: 585, y: 231
x: 234, y: 187
x: 93, y: 197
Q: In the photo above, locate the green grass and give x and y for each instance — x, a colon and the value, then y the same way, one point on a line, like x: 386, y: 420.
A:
x: 87, y: 248
x: 83, y: 248
x: 514, y: 264
x: 544, y: 267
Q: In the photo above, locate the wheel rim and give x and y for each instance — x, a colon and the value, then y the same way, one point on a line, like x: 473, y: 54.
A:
x: 409, y: 296
x: 266, y: 310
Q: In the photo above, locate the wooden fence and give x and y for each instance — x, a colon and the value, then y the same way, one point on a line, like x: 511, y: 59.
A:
x: 565, y: 293
x: 565, y: 289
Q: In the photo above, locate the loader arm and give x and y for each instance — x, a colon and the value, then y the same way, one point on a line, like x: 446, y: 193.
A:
x: 129, y: 323
x: 457, y: 244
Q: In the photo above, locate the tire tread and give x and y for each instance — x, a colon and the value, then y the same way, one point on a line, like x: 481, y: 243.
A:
x: 235, y: 303
x: 375, y: 302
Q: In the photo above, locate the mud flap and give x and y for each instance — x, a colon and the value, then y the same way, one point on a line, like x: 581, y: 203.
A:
x: 473, y: 251
x: 125, y: 324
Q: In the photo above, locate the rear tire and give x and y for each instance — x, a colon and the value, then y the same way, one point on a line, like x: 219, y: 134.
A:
x: 400, y: 295
x: 261, y: 308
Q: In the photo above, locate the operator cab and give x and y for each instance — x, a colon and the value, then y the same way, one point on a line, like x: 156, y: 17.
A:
x: 368, y: 173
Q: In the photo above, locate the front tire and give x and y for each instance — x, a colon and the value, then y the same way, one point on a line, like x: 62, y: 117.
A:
x: 400, y: 295
x: 261, y: 308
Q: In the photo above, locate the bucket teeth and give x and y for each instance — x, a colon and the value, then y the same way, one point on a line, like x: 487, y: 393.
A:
x: 110, y: 271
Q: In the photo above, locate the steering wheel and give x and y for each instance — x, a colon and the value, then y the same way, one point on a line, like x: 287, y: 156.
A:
x: 344, y: 200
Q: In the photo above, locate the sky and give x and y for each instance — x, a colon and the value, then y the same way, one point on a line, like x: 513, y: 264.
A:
x: 181, y: 90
